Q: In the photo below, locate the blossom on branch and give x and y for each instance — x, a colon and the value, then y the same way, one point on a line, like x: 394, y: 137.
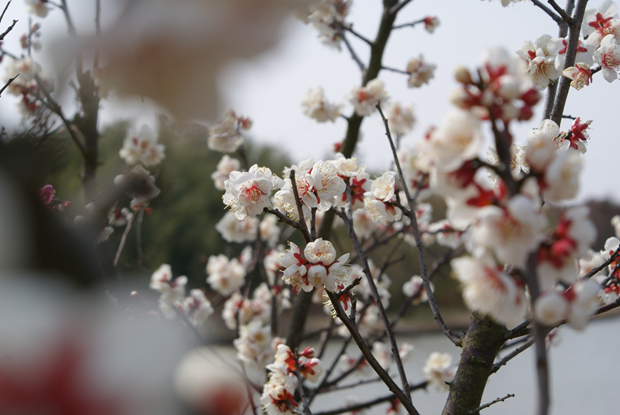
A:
x: 225, y: 276
x: 366, y: 98
x: 438, y: 370
x: 317, y: 107
x: 608, y: 57
x: 420, y: 72
x: 247, y: 193
x: 225, y: 136
x: 580, y: 74
x: 142, y: 148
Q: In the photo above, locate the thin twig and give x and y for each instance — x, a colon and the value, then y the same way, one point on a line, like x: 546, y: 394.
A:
x: 512, y: 355
x: 378, y: 301
x: 352, y: 52
x: 555, y: 17
x: 121, y: 245
x: 5, y: 9
x: 596, y: 270
x: 373, y: 402
x: 410, y: 24
x: 349, y: 28
x: 385, y: 377
x: 486, y: 405
x: 416, y: 233
x: 70, y: 24
x: 400, y: 71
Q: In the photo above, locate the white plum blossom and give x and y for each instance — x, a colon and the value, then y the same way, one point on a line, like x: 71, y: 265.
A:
x: 317, y: 107
x: 235, y: 230
x: 559, y: 46
x: 172, y: 291
x: 488, y: 290
x: 583, y: 304
x: 38, y: 7
x: 415, y: 287
x: 608, y: 57
x: 438, y: 370
x: 380, y: 200
x: 142, y: 147
x: 118, y: 216
x: 196, y: 307
x: 254, y: 345
x: 420, y: 72
x: 600, y: 22
x: 540, y: 62
x: 247, y: 193
x: 400, y: 119
x: 269, y: 230
x: 511, y: 232
x: 225, y: 276
x: 541, y: 147
x: 551, y: 308
x: 224, y: 167
x: 325, y: 16
x: 363, y: 225
x: 562, y: 177
x: 458, y: 138
x: 366, y: 98
x: 580, y: 74
x: 225, y: 136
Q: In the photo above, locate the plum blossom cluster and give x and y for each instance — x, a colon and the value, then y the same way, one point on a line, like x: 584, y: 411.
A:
x: 365, y: 98
x: 327, y: 17
x: 142, y: 148
x: 438, y: 370
x: 225, y: 136
x: 278, y: 396
x: 317, y: 107
x: 420, y: 72
x: 30, y: 79
x: 317, y: 267
x: 172, y: 300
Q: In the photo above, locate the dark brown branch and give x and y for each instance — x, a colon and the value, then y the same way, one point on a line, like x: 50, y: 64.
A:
x: 70, y: 24
x: 303, y: 227
x: 596, y: 270
x: 285, y: 219
x: 418, y: 240
x: 400, y: 71
x: 5, y: 9
x: 349, y: 28
x: 561, y: 12
x: 571, y: 53
x: 486, y: 405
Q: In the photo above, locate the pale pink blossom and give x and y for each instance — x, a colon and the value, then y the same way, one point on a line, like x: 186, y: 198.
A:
x: 225, y: 275
x: 226, y: 136
x: 224, y: 167
x: 458, y: 138
x: 608, y: 57
x: 400, y: 119
x: 488, y: 290
x: 363, y: 225
x: 415, y: 287
x: 235, y: 230
x: 511, y: 232
x: 540, y: 62
x: 420, y: 72
x: 561, y: 179
x: 600, y: 22
x: 580, y: 74
x: 366, y: 98
x: 438, y: 370
x: 247, y: 193
x: 142, y: 147
x: 541, y: 147
x: 38, y: 7
x: 317, y: 107
x: 196, y: 307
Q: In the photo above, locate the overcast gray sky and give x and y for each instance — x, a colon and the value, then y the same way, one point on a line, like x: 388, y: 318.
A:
x: 269, y: 89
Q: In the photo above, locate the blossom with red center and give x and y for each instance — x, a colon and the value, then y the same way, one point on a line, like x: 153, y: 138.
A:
x: 608, y: 56
x: 247, y: 193
x: 580, y: 74
x: 431, y: 23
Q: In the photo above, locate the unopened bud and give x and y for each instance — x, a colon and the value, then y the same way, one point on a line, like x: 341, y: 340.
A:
x: 462, y: 75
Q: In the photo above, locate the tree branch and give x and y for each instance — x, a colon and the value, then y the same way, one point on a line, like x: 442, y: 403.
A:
x: 475, y: 411
x: 555, y: 17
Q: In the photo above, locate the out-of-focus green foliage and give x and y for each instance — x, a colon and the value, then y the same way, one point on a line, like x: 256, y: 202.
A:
x: 180, y: 230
